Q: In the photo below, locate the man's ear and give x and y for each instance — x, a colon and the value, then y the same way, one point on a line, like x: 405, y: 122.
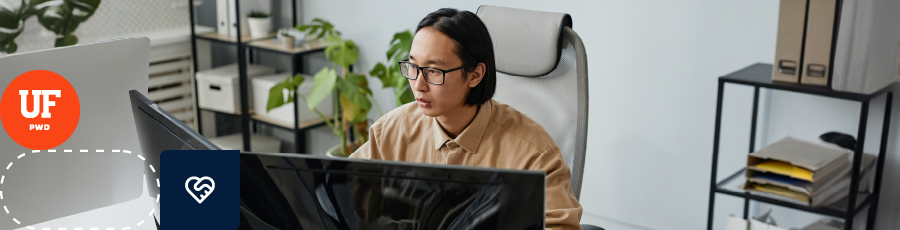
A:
x: 476, y: 76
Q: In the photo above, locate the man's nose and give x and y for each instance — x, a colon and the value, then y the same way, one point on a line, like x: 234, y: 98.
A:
x: 420, y: 84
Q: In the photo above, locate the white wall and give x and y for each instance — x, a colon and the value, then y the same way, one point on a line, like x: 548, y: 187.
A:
x: 653, y: 68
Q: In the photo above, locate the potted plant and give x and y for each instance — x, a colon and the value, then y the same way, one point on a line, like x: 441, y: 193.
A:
x: 61, y: 17
x: 354, y: 94
x: 389, y: 73
x: 352, y: 90
x: 259, y: 23
x: 287, y: 40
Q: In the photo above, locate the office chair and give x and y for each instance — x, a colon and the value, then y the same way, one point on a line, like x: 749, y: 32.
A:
x: 542, y: 72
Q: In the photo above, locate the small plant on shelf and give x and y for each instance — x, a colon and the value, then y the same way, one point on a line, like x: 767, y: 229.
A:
x: 258, y: 14
x: 259, y: 23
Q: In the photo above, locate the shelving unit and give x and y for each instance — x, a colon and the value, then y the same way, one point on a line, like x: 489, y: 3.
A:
x: 246, y: 46
x: 759, y: 76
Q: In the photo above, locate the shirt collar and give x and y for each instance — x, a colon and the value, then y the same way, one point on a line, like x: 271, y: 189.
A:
x: 471, y: 137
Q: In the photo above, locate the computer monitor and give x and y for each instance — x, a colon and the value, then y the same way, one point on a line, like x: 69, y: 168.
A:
x: 157, y: 131
x: 298, y: 191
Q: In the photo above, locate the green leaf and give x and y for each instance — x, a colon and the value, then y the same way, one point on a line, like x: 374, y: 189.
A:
x: 351, y: 110
x: 381, y: 72
x: 9, y: 19
x: 11, y: 25
x: 297, y: 81
x: 400, y: 46
x: 276, y: 96
x: 319, y: 26
x: 404, y: 95
x: 66, y: 41
x: 9, y: 48
x: 355, y: 104
x: 63, y: 17
x: 323, y: 86
x: 353, y: 86
x: 341, y: 52
x: 392, y: 51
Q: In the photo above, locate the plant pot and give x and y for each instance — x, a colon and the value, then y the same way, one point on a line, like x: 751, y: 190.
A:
x: 333, y: 152
x: 287, y: 42
x: 259, y: 27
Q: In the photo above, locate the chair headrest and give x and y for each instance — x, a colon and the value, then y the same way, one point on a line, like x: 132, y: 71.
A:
x: 526, y: 43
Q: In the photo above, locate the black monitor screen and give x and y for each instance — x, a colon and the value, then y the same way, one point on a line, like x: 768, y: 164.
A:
x: 292, y: 191
x: 297, y: 191
x: 159, y: 131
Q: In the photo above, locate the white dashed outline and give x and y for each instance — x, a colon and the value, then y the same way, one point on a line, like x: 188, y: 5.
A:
x: 3, y: 177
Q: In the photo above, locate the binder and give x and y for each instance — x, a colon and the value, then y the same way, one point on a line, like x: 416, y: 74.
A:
x: 233, y: 19
x: 246, y: 8
x: 789, y: 46
x: 818, y: 46
x: 865, y: 56
x: 222, y: 17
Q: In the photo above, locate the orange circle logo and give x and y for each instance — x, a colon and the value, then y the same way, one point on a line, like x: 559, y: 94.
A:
x: 39, y: 110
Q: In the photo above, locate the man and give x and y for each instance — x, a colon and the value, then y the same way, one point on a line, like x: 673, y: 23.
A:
x: 452, y: 73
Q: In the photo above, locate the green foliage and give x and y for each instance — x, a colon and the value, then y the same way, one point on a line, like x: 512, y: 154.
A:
x: 63, y: 17
x: 354, y: 97
x: 60, y: 16
x: 12, y: 23
x: 342, y: 52
x: 276, y: 93
x: 319, y: 26
x: 258, y: 14
x: 323, y: 86
x: 389, y: 73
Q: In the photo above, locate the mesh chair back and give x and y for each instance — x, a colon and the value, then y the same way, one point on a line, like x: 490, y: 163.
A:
x: 558, y: 99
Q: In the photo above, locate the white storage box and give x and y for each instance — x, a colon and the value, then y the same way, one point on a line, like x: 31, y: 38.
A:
x: 258, y: 143
x: 283, y: 114
x: 217, y: 88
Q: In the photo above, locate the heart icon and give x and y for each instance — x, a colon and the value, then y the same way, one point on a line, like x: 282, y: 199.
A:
x: 193, y: 190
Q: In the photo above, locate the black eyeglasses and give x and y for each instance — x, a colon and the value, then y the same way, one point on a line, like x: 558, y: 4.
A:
x: 432, y: 75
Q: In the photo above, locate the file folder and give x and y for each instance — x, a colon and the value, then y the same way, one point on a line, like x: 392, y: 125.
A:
x: 819, y: 187
x: 789, y: 46
x: 834, y: 191
x: 819, y: 161
x: 819, y: 42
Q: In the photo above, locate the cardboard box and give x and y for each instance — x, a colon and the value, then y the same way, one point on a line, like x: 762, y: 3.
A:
x: 217, y: 88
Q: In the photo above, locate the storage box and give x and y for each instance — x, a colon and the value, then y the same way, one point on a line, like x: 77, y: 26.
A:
x: 284, y: 114
x: 217, y: 88
x: 258, y: 143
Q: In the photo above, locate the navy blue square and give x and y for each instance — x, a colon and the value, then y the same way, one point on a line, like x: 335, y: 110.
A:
x: 187, y: 177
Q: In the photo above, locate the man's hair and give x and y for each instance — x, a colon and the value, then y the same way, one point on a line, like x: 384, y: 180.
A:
x: 473, y: 46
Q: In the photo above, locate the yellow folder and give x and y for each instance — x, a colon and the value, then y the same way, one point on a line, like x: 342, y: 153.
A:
x: 787, y: 169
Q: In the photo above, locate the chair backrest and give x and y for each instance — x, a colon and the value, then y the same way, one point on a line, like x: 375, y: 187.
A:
x: 542, y: 72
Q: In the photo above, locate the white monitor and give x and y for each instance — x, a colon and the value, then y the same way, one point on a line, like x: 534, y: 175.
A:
x: 44, y: 186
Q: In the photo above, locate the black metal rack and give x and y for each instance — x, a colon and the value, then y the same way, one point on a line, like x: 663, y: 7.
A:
x: 244, y: 45
x: 759, y: 76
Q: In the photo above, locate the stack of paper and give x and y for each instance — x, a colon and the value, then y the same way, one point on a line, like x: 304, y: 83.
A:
x: 804, y: 172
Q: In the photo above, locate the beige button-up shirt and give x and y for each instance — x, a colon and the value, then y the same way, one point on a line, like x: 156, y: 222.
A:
x: 499, y: 137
